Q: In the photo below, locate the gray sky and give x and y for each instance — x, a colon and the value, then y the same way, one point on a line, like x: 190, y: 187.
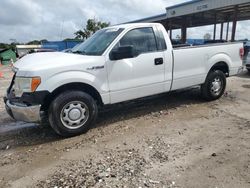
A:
x: 28, y: 20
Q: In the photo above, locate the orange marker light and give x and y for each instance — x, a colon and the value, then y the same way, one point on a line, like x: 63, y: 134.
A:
x: 35, y: 83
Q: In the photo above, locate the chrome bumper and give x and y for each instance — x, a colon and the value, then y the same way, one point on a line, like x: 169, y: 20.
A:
x: 24, y: 113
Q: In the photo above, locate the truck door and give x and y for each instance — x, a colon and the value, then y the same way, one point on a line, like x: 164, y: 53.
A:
x: 139, y: 76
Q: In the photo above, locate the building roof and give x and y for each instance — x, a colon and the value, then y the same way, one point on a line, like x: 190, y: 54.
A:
x: 197, y: 6
x: 201, y: 13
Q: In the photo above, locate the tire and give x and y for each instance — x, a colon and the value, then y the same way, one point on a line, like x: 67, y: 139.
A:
x: 248, y: 70
x: 214, y: 86
x: 72, y: 113
x: 45, y: 123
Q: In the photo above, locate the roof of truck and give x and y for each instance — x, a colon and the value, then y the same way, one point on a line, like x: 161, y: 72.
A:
x: 133, y: 25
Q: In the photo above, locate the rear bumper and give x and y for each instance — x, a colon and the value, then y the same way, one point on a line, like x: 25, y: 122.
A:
x: 23, y: 113
x: 248, y: 66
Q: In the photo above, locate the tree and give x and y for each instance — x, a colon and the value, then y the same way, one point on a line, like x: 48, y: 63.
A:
x: 178, y: 37
x: 34, y: 42
x: 207, y: 36
x: 92, y: 26
x: 4, y: 46
x: 8, y: 46
x: 70, y: 39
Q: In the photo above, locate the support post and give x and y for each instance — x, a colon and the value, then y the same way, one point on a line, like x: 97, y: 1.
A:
x: 170, y: 34
x: 215, y: 20
x: 227, y: 31
x: 170, y: 30
x: 234, y: 23
x: 184, y: 31
x: 221, y: 31
x: 214, y: 31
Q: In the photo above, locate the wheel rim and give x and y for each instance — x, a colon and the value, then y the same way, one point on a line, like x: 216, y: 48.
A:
x: 216, y: 86
x: 74, y: 114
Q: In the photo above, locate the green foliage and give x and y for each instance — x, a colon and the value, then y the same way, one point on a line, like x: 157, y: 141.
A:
x: 207, y: 36
x: 34, y: 42
x: 70, y: 39
x: 178, y: 37
x: 43, y: 40
x: 92, y: 26
x: 4, y: 46
x: 8, y: 46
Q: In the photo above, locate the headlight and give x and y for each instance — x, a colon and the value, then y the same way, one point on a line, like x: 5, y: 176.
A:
x: 23, y: 84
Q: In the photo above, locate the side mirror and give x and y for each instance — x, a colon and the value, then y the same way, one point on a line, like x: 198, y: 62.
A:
x: 123, y: 52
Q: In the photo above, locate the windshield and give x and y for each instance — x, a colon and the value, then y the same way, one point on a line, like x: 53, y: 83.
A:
x: 97, y: 43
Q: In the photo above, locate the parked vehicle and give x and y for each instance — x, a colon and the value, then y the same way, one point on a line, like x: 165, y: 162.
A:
x: 246, y: 51
x: 248, y: 62
x: 116, y: 64
x: 41, y: 50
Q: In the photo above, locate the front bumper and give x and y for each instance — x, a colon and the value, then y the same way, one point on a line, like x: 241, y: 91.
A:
x: 23, y: 113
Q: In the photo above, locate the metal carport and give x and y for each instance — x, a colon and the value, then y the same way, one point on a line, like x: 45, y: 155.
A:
x: 201, y: 13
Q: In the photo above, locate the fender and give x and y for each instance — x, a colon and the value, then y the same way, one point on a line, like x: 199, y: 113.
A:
x: 220, y: 57
x: 67, y: 77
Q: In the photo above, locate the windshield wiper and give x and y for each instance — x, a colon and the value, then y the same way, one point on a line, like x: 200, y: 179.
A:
x: 79, y: 52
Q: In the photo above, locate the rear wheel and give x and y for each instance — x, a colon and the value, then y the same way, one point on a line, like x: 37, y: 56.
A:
x: 248, y: 70
x: 72, y: 113
x: 214, y: 86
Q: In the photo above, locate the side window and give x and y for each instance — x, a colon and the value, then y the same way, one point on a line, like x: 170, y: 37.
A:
x: 161, y: 41
x: 142, y: 39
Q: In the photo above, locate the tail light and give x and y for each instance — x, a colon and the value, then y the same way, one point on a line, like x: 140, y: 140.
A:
x: 241, y: 53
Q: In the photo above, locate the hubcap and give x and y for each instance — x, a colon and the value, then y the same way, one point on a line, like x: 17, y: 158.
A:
x: 216, y: 86
x: 74, y: 114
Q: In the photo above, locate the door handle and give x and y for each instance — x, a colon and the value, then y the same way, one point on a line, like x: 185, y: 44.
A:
x: 158, y: 61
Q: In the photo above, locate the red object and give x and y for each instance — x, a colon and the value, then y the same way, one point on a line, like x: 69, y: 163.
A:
x: 1, y: 75
x: 241, y: 53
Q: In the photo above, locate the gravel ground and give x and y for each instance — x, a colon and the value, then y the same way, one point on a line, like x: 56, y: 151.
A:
x: 169, y: 140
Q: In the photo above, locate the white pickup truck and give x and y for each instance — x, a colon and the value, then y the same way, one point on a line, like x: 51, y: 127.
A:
x: 116, y: 64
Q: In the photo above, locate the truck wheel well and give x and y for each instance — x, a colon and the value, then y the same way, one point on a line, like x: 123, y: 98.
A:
x: 222, y: 66
x: 73, y: 86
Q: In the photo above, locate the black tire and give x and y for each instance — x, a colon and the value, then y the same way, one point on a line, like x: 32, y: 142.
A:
x: 45, y: 123
x: 248, y: 70
x: 214, y: 79
x: 64, y: 102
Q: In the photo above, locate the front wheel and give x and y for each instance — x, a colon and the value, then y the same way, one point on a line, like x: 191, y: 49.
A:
x: 214, y: 86
x: 72, y: 113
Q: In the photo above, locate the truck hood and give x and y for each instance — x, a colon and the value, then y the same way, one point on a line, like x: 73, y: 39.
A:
x: 51, y: 60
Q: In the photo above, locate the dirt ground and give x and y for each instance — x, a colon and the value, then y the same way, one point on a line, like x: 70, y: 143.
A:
x: 170, y: 140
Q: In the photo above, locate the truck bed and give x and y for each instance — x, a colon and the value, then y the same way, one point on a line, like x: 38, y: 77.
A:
x: 189, y: 68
